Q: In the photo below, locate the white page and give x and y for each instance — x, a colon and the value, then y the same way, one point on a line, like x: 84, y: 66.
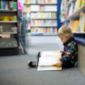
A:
x: 48, y: 68
x: 49, y: 58
x: 50, y: 53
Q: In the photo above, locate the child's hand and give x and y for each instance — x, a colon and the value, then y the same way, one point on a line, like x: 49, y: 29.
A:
x: 61, y: 51
x: 67, y: 53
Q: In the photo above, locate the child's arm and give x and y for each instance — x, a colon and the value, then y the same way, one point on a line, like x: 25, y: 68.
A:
x: 68, y: 53
x: 71, y: 50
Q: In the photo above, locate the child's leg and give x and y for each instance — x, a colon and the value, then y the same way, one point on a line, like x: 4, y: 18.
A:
x: 66, y: 62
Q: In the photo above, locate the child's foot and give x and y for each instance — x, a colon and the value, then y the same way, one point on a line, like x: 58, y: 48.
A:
x: 58, y: 65
x: 32, y: 64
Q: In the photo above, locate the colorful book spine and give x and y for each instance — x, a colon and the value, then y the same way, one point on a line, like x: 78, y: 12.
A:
x: 27, y: 1
x: 82, y: 2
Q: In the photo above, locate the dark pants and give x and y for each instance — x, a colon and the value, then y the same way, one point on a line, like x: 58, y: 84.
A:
x: 66, y: 62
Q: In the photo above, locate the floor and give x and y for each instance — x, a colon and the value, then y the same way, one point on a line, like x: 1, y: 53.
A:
x: 14, y: 69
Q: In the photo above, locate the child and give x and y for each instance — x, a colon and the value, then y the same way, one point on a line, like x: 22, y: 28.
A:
x: 69, y: 55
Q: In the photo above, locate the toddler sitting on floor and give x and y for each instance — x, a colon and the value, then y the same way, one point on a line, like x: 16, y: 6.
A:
x: 69, y: 55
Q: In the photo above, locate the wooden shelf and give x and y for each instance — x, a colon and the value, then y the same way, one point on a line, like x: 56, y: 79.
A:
x: 12, y: 11
x: 9, y: 22
x: 43, y: 12
x: 43, y: 19
x: 79, y: 33
x: 40, y: 4
x: 43, y: 34
x: 42, y: 26
x: 9, y: 32
x: 8, y: 43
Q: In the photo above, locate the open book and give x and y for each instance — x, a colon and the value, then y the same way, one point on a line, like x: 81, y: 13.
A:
x: 50, y: 60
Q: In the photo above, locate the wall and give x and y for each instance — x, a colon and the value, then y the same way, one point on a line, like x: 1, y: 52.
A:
x: 81, y: 56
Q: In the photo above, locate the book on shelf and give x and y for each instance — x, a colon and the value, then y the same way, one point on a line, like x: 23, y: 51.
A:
x: 50, y: 8
x: 82, y: 22
x: 28, y: 1
x: 34, y: 1
x: 43, y: 8
x: 71, y: 9
x: 8, y: 18
x: 43, y: 23
x: 77, y: 5
x: 33, y: 7
x: 78, y: 26
x: 43, y: 16
x: 7, y: 29
x: 26, y: 9
x: 7, y: 42
x: 45, y: 30
x: 63, y: 12
x: 82, y: 2
x: 41, y: 1
x: 55, y: 30
x: 74, y: 25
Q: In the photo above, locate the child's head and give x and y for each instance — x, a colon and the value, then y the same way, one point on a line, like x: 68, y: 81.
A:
x: 65, y: 34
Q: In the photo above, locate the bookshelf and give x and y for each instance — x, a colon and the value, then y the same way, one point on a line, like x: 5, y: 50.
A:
x: 9, y: 22
x: 44, y: 18
x: 9, y: 42
x: 40, y: 4
x: 40, y: 1
x: 73, y: 15
x: 2, y: 10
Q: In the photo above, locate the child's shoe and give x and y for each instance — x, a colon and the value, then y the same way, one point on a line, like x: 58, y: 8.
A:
x: 32, y: 64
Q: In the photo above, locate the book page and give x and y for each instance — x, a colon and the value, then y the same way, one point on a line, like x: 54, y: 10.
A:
x: 48, y: 59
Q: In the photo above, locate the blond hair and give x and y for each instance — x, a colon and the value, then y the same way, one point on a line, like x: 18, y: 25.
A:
x: 65, y: 31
